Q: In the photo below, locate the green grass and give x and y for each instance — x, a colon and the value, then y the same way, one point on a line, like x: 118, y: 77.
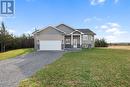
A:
x: 87, y: 68
x: 14, y: 53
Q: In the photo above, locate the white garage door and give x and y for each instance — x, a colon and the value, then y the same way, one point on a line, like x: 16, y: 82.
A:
x: 50, y: 45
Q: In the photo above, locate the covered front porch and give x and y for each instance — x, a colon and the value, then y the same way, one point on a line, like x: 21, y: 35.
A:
x: 74, y: 40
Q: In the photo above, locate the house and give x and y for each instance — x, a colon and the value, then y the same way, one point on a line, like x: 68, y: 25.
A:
x: 63, y: 36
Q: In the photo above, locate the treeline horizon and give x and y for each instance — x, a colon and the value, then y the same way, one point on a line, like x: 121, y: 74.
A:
x: 9, y: 41
x: 119, y: 44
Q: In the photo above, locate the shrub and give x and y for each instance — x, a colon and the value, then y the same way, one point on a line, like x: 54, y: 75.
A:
x: 101, y: 43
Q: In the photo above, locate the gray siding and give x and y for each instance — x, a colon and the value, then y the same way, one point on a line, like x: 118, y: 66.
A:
x: 89, y: 40
x: 65, y: 28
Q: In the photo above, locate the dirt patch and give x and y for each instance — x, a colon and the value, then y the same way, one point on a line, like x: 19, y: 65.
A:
x: 119, y: 47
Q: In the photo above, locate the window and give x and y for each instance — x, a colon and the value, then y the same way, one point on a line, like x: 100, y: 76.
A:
x: 38, y: 44
x: 85, y: 37
x: 91, y: 38
x: 67, y: 41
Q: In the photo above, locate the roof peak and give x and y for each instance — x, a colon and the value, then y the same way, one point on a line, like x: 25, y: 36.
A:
x: 66, y: 26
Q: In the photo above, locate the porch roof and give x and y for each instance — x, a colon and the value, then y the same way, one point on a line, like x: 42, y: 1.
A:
x: 87, y: 31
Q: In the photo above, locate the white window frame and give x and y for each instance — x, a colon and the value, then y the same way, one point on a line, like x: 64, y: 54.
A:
x: 67, y: 41
x: 85, y: 37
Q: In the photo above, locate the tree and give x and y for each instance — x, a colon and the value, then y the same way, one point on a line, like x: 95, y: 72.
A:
x: 101, y: 43
x: 2, y: 36
x: 9, y: 41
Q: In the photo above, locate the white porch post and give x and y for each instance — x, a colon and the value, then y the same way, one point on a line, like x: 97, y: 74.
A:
x: 71, y: 40
x: 80, y: 39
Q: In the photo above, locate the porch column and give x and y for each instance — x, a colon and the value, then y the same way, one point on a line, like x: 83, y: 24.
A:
x: 71, y: 40
x: 80, y: 40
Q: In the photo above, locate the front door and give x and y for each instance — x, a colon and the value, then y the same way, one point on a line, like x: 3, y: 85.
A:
x: 75, y: 43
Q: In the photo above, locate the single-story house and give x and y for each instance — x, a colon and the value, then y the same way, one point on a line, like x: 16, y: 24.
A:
x: 63, y: 36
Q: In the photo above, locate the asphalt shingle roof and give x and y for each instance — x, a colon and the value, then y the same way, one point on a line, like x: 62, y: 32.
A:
x: 86, y: 31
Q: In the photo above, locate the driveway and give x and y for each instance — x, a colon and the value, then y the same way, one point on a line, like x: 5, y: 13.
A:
x: 12, y: 71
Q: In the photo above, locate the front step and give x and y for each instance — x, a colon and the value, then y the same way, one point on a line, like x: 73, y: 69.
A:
x: 73, y: 49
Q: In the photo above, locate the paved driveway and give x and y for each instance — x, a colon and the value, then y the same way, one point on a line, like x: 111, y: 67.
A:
x: 16, y: 69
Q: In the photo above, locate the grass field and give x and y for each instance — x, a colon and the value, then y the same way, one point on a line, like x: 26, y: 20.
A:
x: 119, y: 47
x: 14, y: 53
x: 87, y: 68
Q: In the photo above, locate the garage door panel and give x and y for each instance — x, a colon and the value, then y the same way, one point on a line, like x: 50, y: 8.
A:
x: 50, y: 45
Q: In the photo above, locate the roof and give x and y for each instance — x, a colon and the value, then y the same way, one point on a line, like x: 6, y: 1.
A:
x: 68, y: 29
x: 48, y: 27
x: 66, y: 26
x: 86, y: 31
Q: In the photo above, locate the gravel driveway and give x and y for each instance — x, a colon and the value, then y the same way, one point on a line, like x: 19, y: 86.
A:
x: 12, y: 71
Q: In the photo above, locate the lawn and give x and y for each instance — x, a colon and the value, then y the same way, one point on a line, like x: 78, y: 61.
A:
x: 14, y: 53
x: 87, y: 68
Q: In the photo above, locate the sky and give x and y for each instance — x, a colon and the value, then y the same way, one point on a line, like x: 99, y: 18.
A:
x: 109, y: 19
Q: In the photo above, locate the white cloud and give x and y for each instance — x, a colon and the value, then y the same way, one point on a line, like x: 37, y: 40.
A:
x: 11, y: 31
x: 114, y: 28
x: 101, y: 2
x: 92, y: 19
x: 113, y: 32
x: 96, y: 18
x: 28, y: 32
x: 104, y: 27
x: 116, y: 1
x: 113, y: 24
x: 97, y: 2
x: 87, y: 20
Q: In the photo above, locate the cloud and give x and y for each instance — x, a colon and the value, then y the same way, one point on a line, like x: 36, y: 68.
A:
x: 11, y: 31
x: 28, y: 32
x: 104, y: 27
x: 100, y: 2
x: 116, y: 1
x: 97, y: 2
x: 113, y: 28
x: 113, y: 32
x: 87, y: 20
x: 92, y: 19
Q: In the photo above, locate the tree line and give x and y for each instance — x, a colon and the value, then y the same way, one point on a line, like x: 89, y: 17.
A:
x: 10, y: 41
x: 101, y: 43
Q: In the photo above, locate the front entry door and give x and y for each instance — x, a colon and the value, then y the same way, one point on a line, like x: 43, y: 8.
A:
x: 75, y: 43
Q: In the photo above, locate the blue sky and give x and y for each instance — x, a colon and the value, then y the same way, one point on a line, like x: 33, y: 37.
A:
x: 107, y: 18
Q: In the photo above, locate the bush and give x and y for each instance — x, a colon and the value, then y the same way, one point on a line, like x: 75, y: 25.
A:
x: 101, y: 43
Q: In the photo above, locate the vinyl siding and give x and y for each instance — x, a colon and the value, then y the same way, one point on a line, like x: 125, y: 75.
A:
x: 64, y: 28
x: 88, y: 39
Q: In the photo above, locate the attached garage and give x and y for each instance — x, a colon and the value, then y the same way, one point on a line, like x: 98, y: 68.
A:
x: 50, y: 45
x: 49, y: 38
